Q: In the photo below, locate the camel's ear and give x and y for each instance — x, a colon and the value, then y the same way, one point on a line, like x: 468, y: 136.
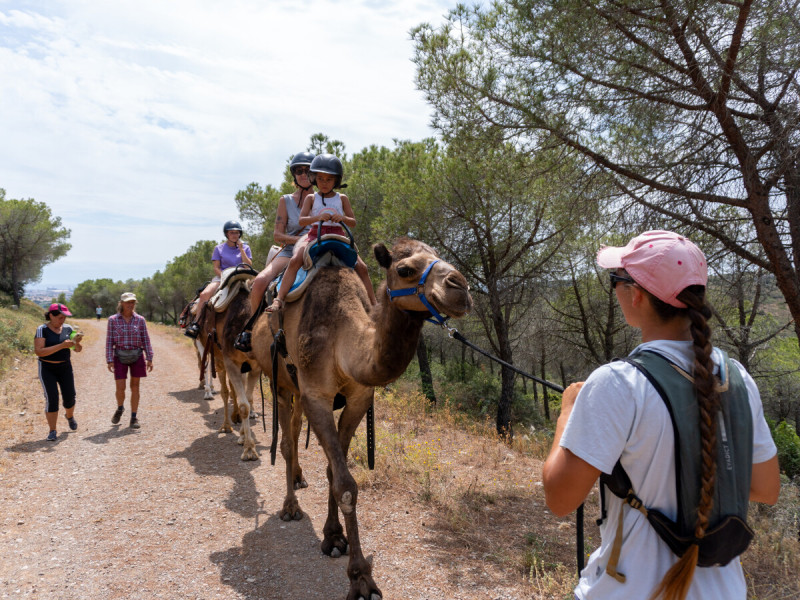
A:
x: 382, y: 255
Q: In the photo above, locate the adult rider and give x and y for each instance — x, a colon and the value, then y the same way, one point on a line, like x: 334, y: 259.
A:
x: 287, y: 231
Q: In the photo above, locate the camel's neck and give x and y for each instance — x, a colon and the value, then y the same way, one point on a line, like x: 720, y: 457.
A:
x: 394, y: 343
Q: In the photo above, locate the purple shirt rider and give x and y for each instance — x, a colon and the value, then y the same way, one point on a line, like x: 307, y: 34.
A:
x: 229, y: 256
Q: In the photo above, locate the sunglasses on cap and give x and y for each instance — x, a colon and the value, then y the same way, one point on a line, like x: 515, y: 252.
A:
x: 615, y: 279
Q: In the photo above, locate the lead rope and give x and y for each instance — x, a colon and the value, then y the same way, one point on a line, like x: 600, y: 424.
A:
x: 454, y: 333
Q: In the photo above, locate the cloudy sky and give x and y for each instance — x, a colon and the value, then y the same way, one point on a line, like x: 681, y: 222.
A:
x: 137, y: 122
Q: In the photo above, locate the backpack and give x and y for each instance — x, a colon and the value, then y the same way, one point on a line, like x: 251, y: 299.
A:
x: 728, y: 533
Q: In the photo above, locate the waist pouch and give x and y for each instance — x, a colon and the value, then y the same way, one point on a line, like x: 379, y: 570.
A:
x: 128, y: 357
x: 721, y: 544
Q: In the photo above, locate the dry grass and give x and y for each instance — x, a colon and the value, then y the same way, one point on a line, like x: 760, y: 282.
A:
x: 487, y: 496
x: 773, y: 559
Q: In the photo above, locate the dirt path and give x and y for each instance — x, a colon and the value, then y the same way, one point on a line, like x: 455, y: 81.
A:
x: 169, y: 511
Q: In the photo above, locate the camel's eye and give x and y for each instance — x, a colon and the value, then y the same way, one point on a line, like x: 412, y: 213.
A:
x: 405, y: 272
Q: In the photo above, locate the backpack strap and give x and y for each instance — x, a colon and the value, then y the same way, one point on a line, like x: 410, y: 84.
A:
x: 619, y: 483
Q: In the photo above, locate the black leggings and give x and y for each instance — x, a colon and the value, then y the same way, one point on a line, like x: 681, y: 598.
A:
x: 52, y: 377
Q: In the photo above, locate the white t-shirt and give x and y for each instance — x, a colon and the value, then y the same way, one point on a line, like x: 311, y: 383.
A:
x: 332, y: 205
x: 619, y: 415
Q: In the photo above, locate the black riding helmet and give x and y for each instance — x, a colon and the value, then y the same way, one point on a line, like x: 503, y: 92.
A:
x: 327, y: 163
x: 301, y: 159
x: 231, y: 226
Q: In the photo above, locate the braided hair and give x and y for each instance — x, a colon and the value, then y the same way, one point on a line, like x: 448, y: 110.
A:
x: 676, y: 582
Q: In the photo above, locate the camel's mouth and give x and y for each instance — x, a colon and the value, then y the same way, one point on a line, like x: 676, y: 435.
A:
x: 451, y: 295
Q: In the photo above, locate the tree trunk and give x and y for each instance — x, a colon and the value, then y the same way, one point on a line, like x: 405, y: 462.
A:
x: 506, y: 377
x: 15, y: 284
x: 545, y: 396
x: 504, y: 406
x: 425, y: 370
x: 463, y: 363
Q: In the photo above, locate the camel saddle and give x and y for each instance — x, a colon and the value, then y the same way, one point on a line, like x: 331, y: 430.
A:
x: 233, y: 278
x: 330, y: 249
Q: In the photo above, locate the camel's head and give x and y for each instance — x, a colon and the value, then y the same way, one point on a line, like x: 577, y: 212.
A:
x: 406, y: 263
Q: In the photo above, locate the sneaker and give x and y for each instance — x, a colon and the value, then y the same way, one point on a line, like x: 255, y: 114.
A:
x: 52, y: 436
x: 117, y: 415
x: 243, y: 342
x: 73, y: 424
x: 135, y: 423
x: 192, y: 331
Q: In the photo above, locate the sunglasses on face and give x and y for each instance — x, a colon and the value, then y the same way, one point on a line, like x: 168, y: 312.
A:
x: 301, y: 171
x: 615, y: 279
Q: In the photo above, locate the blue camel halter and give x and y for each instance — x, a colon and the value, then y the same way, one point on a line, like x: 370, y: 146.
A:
x: 419, y: 290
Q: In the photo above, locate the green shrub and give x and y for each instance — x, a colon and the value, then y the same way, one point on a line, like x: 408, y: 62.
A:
x: 788, y: 443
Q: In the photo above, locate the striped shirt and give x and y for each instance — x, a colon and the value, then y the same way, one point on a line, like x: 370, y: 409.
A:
x: 127, y: 335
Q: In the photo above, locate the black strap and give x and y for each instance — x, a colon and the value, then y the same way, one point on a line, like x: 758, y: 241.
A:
x: 263, y: 416
x: 273, y: 448
x: 371, y: 435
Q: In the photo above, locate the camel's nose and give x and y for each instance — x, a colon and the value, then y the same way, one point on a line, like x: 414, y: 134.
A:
x: 456, y: 279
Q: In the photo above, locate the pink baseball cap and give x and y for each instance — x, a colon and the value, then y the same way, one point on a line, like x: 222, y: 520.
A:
x: 662, y: 262
x: 61, y: 308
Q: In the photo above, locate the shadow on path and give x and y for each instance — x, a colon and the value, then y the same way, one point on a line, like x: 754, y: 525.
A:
x: 282, y: 560
x: 218, y: 455
x: 113, y: 433
x: 36, y: 445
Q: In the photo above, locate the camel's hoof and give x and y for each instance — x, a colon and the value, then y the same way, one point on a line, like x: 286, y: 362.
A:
x: 297, y: 516
x: 335, y: 547
x: 225, y: 429
x: 250, y: 454
x: 302, y: 484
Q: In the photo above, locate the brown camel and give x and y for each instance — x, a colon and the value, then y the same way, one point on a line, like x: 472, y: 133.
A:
x: 208, y: 326
x: 234, y: 365
x: 341, y: 346
x: 206, y: 380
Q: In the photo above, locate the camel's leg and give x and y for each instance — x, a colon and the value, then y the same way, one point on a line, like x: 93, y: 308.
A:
x: 343, y: 490
x: 208, y: 383
x: 246, y: 438
x: 289, y: 434
x: 236, y: 414
x: 227, y: 426
x: 198, y: 351
x: 297, y: 425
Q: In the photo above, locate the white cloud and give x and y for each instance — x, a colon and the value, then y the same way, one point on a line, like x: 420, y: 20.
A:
x: 165, y: 109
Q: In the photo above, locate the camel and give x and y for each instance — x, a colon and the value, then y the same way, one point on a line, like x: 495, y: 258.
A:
x: 206, y: 377
x: 220, y: 329
x: 341, y: 345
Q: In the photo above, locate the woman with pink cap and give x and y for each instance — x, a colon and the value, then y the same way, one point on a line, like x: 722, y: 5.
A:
x: 52, y: 344
x: 618, y: 419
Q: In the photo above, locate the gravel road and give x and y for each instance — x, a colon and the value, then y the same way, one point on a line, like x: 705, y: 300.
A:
x: 169, y: 510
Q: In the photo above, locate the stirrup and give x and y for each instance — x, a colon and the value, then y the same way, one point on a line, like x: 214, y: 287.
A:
x: 243, y: 342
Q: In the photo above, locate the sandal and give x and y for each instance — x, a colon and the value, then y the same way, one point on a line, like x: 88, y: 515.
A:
x: 276, y: 305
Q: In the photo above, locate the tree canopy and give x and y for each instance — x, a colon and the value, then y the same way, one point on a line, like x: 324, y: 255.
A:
x: 690, y: 107
x: 30, y: 238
